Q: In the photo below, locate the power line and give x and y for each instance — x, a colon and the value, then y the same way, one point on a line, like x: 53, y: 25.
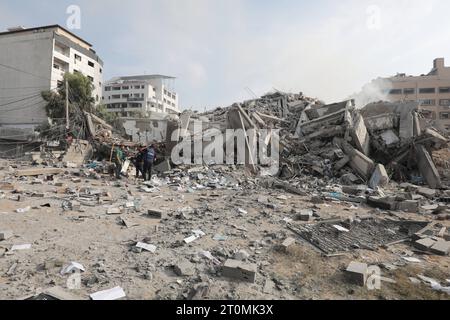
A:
x: 26, y: 72
x: 34, y: 102
x: 24, y: 99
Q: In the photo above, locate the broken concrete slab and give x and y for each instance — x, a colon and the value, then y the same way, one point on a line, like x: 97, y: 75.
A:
x: 426, y: 192
x: 239, y: 270
x: 441, y: 247
x: 360, y: 135
x: 408, y: 206
x: 424, y: 244
x: 38, y: 172
x: 379, y: 177
x: 427, y: 167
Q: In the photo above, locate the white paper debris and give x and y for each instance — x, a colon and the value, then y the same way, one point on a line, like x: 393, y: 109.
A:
x: 412, y: 259
x: 339, y: 228
x: 146, y: 246
x: 23, y: 210
x: 111, y: 294
x: 17, y: 247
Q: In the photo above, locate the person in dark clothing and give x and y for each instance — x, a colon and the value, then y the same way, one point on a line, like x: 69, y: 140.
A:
x: 149, y: 159
x: 138, y: 162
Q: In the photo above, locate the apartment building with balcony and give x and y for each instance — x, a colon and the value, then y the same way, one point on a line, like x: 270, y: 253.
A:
x: 432, y: 90
x: 36, y: 59
x: 140, y: 96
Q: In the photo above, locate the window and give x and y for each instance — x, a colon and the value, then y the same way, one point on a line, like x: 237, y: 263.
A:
x: 409, y: 91
x: 101, y: 70
x: 142, y: 87
x: 427, y: 90
x: 445, y: 115
x: 395, y: 91
x: 427, y: 102
x: 116, y: 88
x: 56, y: 66
x: 107, y: 88
x: 125, y: 96
x: 125, y: 88
x: 116, y: 96
x: 444, y: 90
x: 137, y: 87
x: 91, y: 64
x: 60, y: 84
x: 90, y: 78
x: 99, y: 84
x: 76, y: 71
x: 77, y: 57
x: 137, y: 95
x: 444, y: 102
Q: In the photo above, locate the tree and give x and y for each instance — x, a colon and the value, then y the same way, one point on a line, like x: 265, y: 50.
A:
x: 80, y: 99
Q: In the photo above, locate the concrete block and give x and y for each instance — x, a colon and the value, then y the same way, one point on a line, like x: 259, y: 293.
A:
x: 427, y: 168
x: 239, y: 270
x: 287, y: 243
x: 184, y: 269
x: 381, y: 203
x: 424, y: 244
x: 426, y: 192
x: 5, y: 234
x: 114, y: 211
x: 154, y: 214
x: 379, y: 178
x: 357, y: 273
x: 408, y: 206
x: 441, y: 248
x: 360, y: 135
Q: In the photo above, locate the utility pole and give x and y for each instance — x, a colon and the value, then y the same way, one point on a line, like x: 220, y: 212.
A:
x: 67, y: 105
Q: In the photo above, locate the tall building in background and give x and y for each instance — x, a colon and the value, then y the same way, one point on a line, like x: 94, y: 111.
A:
x: 431, y: 90
x: 34, y: 60
x: 136, y: 96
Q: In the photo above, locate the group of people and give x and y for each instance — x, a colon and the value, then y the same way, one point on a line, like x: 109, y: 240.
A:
x: 143, y: 159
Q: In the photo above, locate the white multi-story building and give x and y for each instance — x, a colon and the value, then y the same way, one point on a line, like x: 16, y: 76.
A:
x: 136, y: 96
x: 34, y: 60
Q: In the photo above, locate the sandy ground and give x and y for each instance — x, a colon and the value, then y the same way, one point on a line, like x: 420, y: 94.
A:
x: 102, y: 244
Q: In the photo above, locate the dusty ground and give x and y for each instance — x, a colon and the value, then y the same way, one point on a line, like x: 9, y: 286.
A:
x: 103, y: 245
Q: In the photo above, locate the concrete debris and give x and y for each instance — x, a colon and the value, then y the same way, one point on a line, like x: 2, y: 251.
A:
x: 347, y: 182
x: 239, y: 270
x: 357, y: 273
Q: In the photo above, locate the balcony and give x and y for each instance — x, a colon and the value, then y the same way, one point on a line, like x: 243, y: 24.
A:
x: 135, y: 99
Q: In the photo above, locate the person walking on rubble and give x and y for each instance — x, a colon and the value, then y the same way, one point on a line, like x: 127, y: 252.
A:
x: 138, y: 161
x: 119, y: 158
x: 149, y: 159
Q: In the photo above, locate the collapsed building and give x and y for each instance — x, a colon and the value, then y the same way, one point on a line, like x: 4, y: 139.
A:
x: 380, y: 142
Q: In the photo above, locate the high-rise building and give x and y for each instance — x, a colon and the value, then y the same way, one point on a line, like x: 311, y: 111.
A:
x: 136, y: 96
x: 34, y: 60
x: 432, y: 90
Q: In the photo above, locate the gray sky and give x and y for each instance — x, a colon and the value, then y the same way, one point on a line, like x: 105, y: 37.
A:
x: 218, y: 48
